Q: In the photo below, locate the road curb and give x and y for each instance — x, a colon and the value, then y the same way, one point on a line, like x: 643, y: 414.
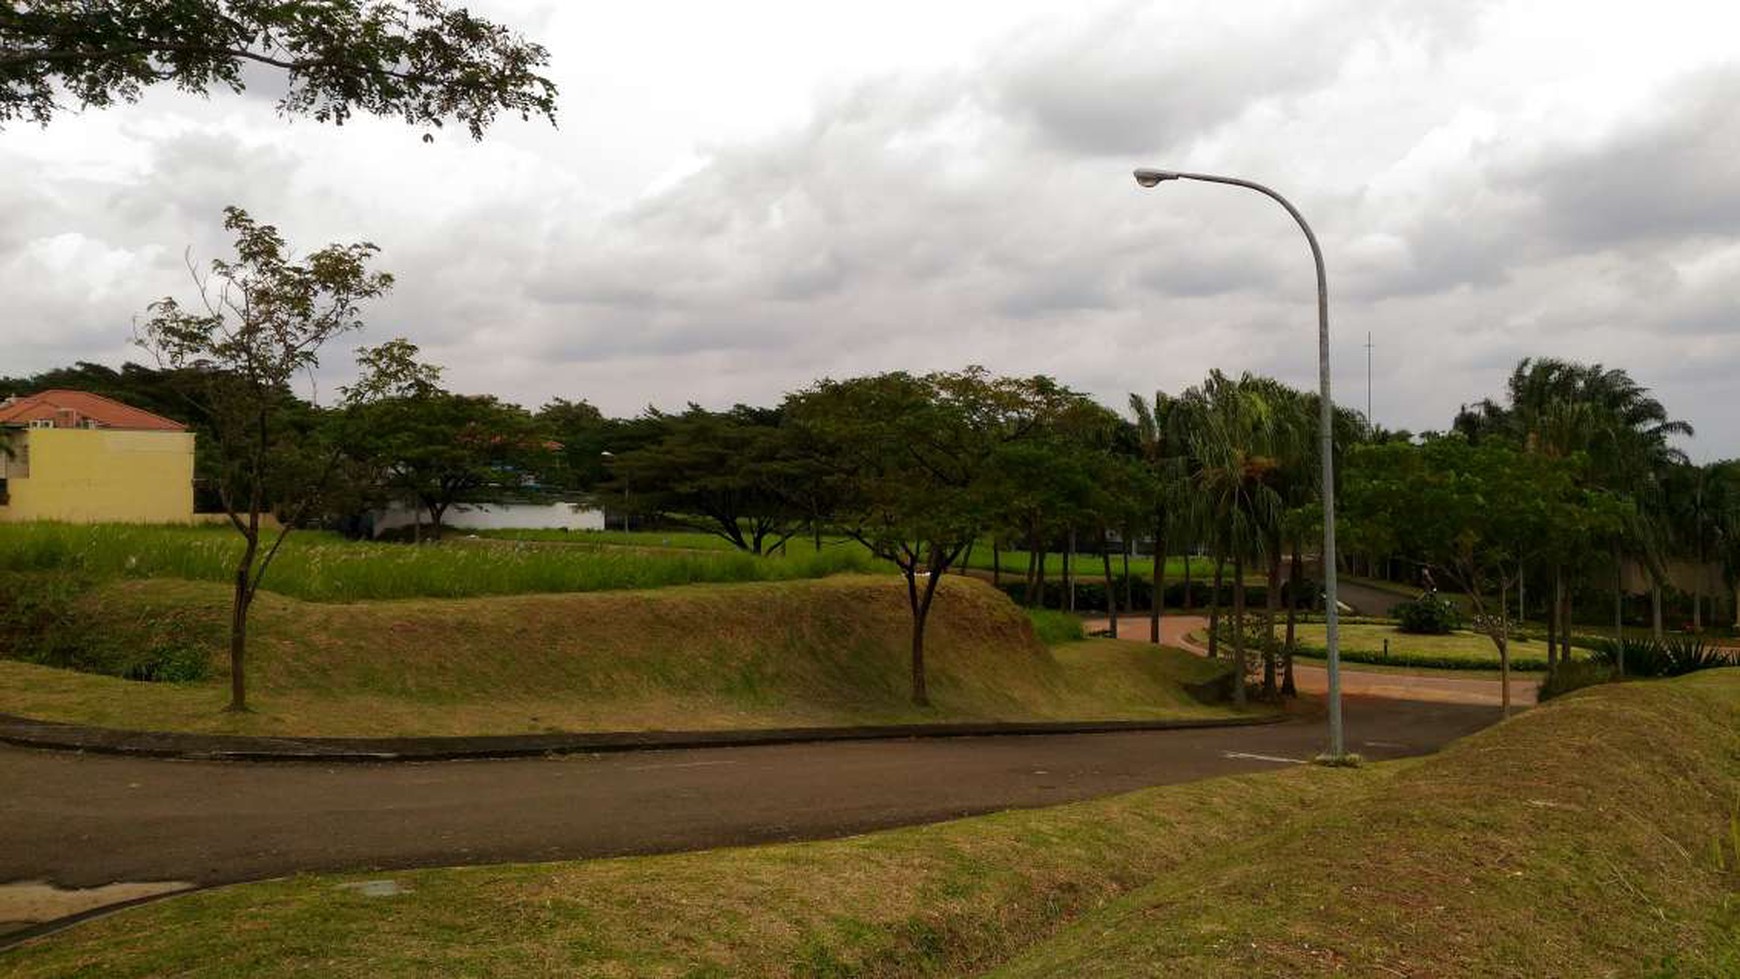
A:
x: 32, y: 733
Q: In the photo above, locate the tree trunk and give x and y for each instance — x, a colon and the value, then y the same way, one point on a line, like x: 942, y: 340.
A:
x: 1039, y: 578
x: 1214, y: 610
x: 996, y: 563
x: 920, y: 613
x: 1295, y: 571
x: 1111, y: 592
x: 1129, y: 589
x: 1271, y: 605
x: 967, y: 559
x: 1159, y: 586
x: 1238, y: 629
x: 1187, y: 605
x: 1553, y: 623
x: 1655, y: 624
x: 1503, y: 652
x: 1618, y: 596
x: 1565, y: 627
x: 240, y: 600
x: 1069, y: 569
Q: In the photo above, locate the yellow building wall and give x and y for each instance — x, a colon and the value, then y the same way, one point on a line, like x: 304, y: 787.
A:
x: 83, y: 475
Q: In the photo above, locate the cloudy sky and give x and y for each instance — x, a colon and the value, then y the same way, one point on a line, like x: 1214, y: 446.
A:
x: 741, y: 198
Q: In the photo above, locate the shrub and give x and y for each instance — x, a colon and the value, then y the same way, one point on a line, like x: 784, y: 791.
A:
x: 1431, y: 614
x: 41, y: 622
x: 1649, y: 658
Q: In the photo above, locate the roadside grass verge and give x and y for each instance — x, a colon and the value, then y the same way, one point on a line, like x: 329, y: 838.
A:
x: 324, y: 567
x: 1591, y: 837
x: 1461, y: 650
x: 1578, y: 839
x: 772, y: 654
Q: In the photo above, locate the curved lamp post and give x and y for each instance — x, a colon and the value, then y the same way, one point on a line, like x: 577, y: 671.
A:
x: 1153, y: 178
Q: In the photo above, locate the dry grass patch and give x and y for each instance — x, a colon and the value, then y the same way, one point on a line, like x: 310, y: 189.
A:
x: 805, y: 653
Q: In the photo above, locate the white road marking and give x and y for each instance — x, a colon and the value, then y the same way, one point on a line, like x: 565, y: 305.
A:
x: 680, y: 764
x: 1242, y: 754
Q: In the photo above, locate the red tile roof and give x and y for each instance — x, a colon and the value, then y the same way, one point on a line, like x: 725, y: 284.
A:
x: 70, y: 409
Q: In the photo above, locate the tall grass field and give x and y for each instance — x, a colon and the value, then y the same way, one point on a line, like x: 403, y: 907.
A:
x: 324, y: 567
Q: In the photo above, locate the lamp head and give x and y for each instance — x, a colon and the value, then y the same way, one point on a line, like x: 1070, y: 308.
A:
x: 1150, y: 178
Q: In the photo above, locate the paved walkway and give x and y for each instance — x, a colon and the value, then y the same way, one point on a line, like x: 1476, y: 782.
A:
x: 1442, y: 687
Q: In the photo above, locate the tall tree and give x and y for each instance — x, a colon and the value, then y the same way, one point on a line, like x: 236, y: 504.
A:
x: 922, y: 461
x: 260, y: 323
x: 720, y: 472
x: 420, y: 60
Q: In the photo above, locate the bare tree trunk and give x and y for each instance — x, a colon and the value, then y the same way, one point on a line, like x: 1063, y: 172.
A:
x: 1503, y: 651
x: 1295, y: 571
x: 1553, y: 623
x: 1214, y: 609
x: 1655, y: 623
x: 1039, y: 579
x: 1129, y: 589
x: 1565, y: 630
x: 1159, y: 586
x: 1238, y: 628
x: 920, y: 613
x: 1111, y: 592
x: 1069, y: 569
x: 240, y: 600
x: 1618, y: 597
x: 967, y: 559
x: 1188, y: 605
x: 996, y: 563
x: 1271, y: 605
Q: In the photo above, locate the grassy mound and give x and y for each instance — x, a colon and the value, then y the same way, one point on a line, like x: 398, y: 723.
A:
x: 1577, y: 840
x: 832, y: 651
x: 1593, y: 837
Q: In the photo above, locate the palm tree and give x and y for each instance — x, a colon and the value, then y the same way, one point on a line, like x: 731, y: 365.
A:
x: 1163, y: 450
x: 1232, y: 428
x: 1561, y: 408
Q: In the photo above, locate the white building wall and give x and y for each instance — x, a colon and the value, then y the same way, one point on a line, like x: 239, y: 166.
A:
x: 500, y: 516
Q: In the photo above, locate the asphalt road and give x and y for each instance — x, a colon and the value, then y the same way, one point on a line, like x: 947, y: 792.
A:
x: 84, y: 820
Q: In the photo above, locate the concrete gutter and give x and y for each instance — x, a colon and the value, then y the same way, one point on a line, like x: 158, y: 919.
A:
x: 31, y: 733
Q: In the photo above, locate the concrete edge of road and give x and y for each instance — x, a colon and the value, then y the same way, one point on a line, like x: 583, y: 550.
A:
x: 31, y: 733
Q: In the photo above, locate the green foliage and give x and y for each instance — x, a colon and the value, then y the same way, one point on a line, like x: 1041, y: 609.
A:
x: 430, y: 447
x: 1429, y: 615
x: 1675, y: 656
x: 420, y: 60
x: 1574, y: 675
x: 1053, y: 628
x: 324, y: 567
x: 733, y: 473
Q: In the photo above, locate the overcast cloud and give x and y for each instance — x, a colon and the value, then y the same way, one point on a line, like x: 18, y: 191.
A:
x: 741, y: 200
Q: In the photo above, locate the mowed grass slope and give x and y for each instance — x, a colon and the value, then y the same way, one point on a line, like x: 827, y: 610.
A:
x: 827, y: 652
x: 1593, y: 837
x: 1579, y: 839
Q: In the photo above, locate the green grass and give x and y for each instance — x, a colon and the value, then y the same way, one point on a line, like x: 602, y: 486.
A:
x: 1054, y: 627
x: 692, y: 540
x: 1591, y: 837
x: 1458, y: 650
x: 771, y: 654
x: 326, y: 568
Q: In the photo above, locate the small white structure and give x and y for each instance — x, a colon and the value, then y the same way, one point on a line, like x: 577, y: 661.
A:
x: 497, y: 516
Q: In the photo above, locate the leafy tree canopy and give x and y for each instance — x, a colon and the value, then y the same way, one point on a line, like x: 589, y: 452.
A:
x: 420, y: 60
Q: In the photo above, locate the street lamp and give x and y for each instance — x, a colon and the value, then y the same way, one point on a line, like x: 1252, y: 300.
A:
x: 1153, y: 178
